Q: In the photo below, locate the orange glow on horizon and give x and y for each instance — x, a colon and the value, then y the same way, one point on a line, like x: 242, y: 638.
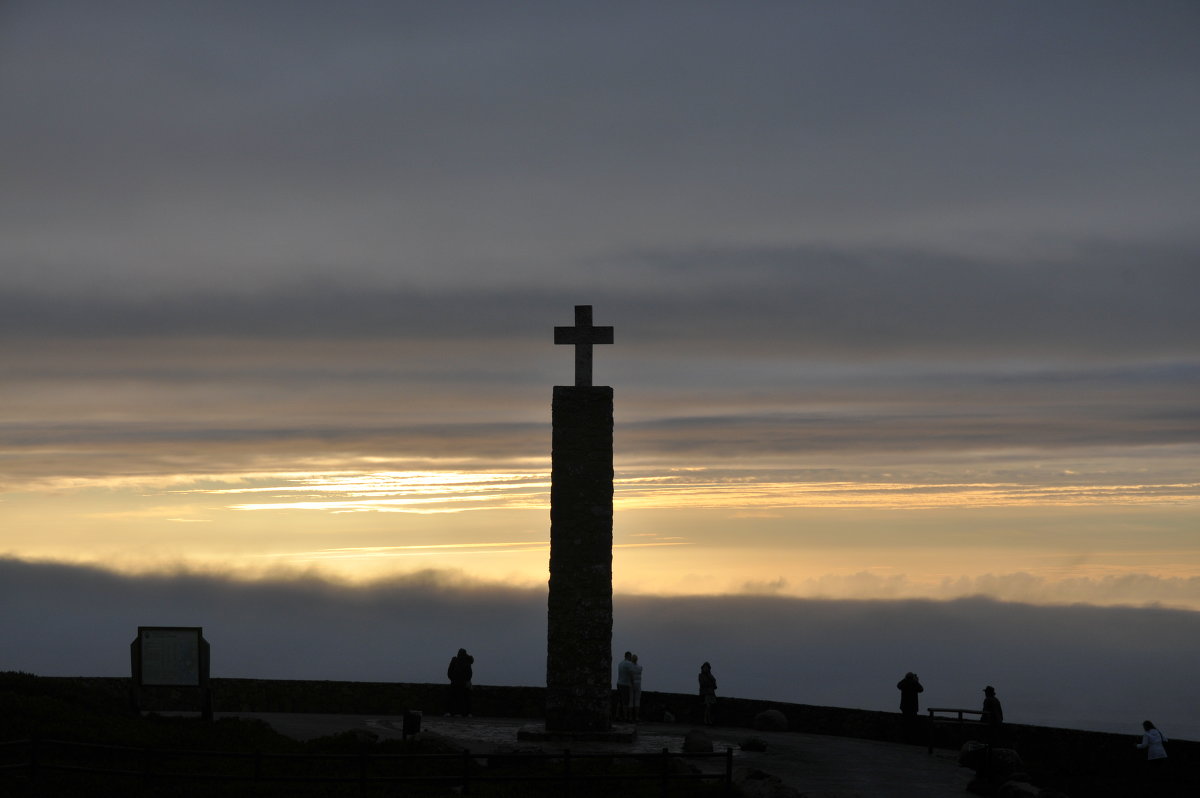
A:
x: 432, y: 492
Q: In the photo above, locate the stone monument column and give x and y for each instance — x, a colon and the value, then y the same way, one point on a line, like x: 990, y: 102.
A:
x: 579, y: 617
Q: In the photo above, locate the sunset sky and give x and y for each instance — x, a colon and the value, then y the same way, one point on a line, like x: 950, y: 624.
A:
x: 904, y: 293
x: 906, y: 360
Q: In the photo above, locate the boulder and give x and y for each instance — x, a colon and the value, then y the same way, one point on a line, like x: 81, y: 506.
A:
x: 999, y: 764
x: 697, y: 741
x: 771, y: 720
x: 1004, y: 765
x: 969, y: 753
x: 978, y: 786
x: 995, y: 769
x: 754, y: 783
x: 1017, y: 789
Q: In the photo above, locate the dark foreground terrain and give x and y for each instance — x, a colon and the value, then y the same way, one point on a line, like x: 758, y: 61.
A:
x: 147, y: 753
x: 82, y: 737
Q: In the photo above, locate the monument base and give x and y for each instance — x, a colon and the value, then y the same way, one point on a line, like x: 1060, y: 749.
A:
x: 616, y: 734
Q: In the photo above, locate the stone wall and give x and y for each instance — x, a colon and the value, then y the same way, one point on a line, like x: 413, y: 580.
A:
x: 1066, y: 757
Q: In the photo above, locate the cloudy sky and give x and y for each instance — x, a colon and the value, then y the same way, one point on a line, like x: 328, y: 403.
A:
x: 904, y: 293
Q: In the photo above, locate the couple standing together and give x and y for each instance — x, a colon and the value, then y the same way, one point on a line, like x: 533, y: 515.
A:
x: 629, y: 688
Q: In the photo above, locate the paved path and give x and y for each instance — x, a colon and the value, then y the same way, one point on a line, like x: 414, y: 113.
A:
x: 818, y: 766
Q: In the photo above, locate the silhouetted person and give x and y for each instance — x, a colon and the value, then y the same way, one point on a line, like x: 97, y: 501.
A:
x: 708, y: 692
x: 635, y: 688
x: 1156, y: 752
x: 460, y: 672
x: 624, y: 685
x: 993, y: 714
x: 909, y: 687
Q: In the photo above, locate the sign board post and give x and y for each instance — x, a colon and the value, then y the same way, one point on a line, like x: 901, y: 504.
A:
x: 171, y: 656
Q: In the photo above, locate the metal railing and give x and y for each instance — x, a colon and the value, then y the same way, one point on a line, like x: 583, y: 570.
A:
x: 934, y: 720
x: 454, y: 770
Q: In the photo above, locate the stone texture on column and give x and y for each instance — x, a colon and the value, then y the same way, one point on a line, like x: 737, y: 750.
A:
x: 579, y: 618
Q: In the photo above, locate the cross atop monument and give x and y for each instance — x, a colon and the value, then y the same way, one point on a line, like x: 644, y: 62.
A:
x: 583, y: 335
x: 579, y: 606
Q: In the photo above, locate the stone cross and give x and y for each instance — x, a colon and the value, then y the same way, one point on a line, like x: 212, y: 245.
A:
x: 583, y: 335
x: 579, y: 613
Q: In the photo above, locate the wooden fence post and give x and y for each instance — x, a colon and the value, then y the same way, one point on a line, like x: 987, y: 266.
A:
x: 146, y: 768
x: 34, y: 751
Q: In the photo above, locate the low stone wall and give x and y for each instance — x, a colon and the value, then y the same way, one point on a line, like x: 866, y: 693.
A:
x: 384, y: 698
x: 1053, y: 755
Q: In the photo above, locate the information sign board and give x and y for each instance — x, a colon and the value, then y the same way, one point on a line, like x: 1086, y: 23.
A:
x: 170, y: 655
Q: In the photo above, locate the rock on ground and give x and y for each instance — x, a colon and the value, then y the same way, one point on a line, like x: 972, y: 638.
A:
x: 754, y: 783
x: 771, y: 720
x: 697, y: 741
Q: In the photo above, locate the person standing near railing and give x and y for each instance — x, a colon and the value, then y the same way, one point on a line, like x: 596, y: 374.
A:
x: 624, y: 685
x: 635, y: 689
x: 1156, y: 752
x: 708, y: 692
x: 910, y: 688
x: 460, y: 673
x: 993, y: 714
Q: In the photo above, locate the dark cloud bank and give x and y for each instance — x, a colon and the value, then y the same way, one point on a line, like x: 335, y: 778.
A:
x: 1079, y: 666
x: 844, y: 303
